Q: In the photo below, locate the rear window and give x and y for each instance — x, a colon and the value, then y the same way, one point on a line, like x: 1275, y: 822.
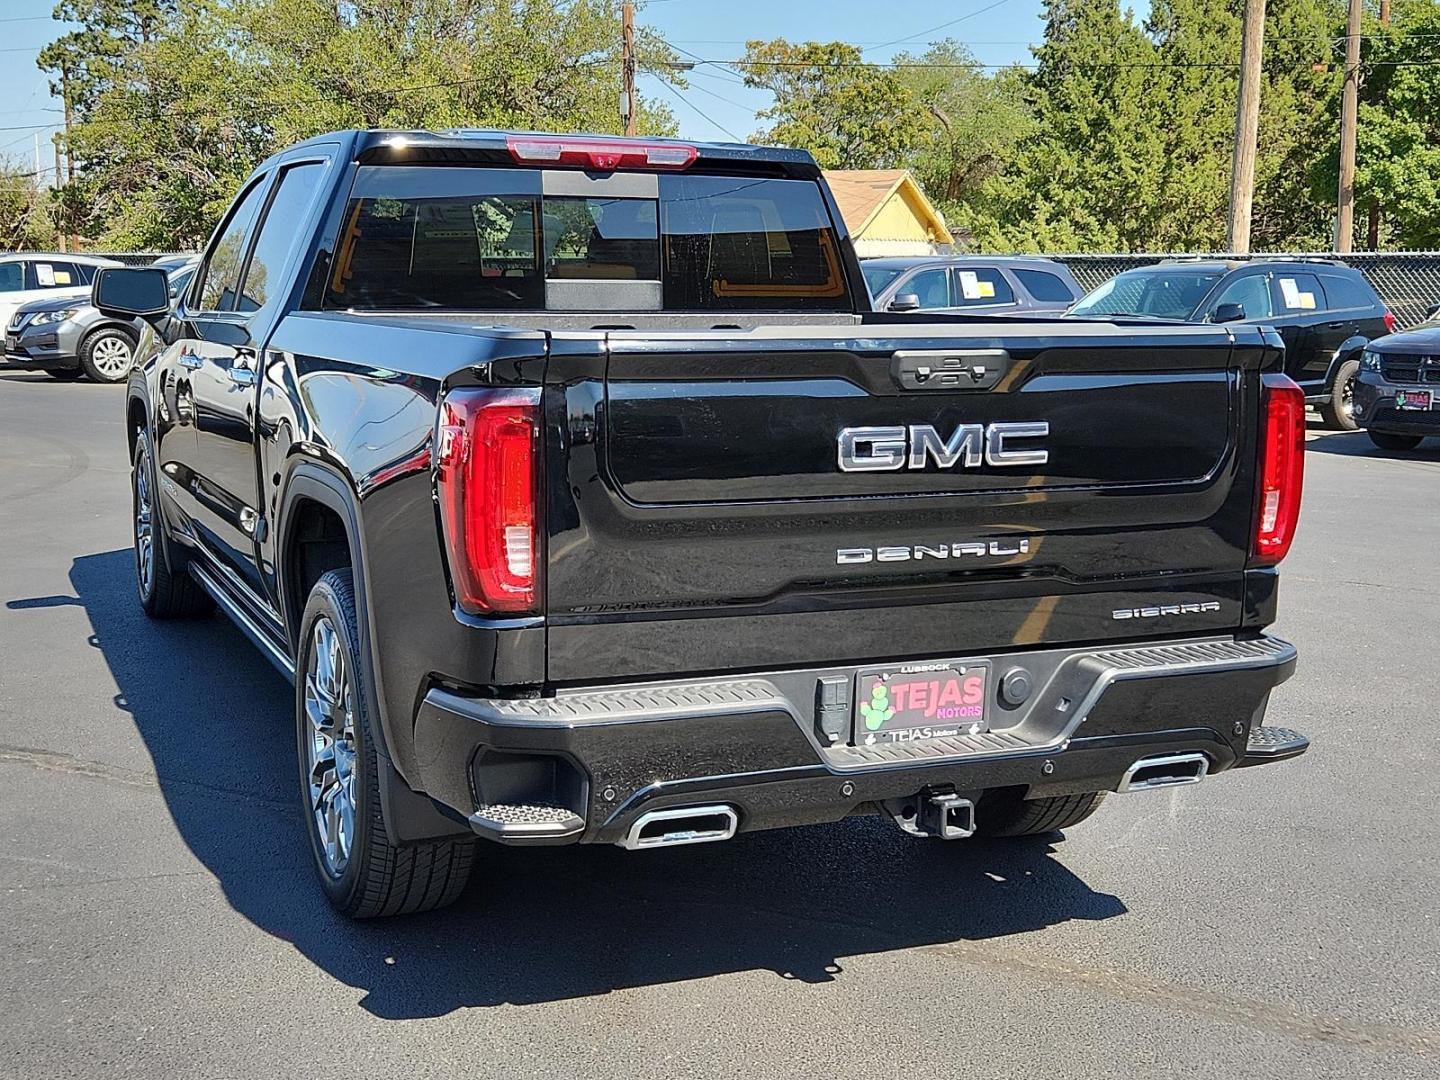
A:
x: 1045, y: 287
x: 415, y: 239
x: 1343, y: 291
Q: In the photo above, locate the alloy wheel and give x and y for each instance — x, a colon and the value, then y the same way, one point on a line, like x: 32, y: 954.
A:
x: 144, y: 527
x: 330, y: 752
x: 1347, y: 398
x: 111, y: 356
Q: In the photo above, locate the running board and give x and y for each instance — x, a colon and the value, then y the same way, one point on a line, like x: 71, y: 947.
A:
x: 244, y: 620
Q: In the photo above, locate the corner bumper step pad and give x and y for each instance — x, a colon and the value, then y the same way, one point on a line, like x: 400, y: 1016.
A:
x: 513, y: 823
x: 1267, y: 744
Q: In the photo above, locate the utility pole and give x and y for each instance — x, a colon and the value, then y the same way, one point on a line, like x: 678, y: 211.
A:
x: 627, y: 66
x: 1372, y: 234
x: 55, y: 139
x: 69, y: 154
x: 1247, y: 128
x: 1349, y: 107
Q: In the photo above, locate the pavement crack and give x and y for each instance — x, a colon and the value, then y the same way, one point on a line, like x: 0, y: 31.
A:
x: 53, y: 761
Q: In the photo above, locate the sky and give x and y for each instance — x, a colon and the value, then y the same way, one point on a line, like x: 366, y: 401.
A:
x: 714, y: 106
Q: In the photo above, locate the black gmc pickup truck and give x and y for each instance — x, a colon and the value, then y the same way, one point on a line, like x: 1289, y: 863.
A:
x: 583, y: 498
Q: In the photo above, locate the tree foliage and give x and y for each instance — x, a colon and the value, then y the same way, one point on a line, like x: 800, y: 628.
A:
x: 177, y: 100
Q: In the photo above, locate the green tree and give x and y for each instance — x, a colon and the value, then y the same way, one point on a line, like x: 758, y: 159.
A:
x: 828, y: 100
x: 25, y: 214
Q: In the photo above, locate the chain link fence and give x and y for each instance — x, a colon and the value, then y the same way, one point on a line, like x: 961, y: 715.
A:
x: 1408, y: 281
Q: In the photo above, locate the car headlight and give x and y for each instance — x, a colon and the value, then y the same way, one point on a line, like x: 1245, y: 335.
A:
x: 1369, y: 361
x: 46, y: 317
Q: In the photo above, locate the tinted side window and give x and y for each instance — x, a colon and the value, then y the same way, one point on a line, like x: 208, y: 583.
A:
x: 1343, y: 291
x: 53, y: 275
x: 86, y: 273
x: 931, y: 286
x: 1047, y: 288
x: 982, y: 285
x: 1251, y: 292
x: 222, y: 269
x: 1296, y: 293
x: 12, y: 277
x: 279, y: 233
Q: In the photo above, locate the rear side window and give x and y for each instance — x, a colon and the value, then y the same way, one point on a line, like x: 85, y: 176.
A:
x: 279, y: 233
x: 1297, y: 293
x: 1344, y: 291
x: 978, y: 285
x: 1045, y: 287
x: 465, y: 239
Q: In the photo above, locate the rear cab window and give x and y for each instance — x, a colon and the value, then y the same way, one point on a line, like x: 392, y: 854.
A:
x: 416, y: 238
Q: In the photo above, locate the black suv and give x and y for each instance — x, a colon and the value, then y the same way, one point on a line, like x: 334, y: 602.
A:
x: 1324, y: 310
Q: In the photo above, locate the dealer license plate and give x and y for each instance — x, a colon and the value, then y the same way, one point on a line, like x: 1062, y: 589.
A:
x: 12, y: 342
x: 921, y: 701
x: 1414, y: 399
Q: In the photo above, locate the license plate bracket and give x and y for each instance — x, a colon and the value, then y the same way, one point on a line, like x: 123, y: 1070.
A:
x: 1415, y: 400
x: 921, y: 702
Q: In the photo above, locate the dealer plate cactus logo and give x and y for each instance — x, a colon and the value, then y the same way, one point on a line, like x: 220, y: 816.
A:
x: 877, y: 710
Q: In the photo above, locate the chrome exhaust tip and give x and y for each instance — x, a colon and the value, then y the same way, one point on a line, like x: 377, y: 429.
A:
x: 681, y: 825
x: 1168, y: 770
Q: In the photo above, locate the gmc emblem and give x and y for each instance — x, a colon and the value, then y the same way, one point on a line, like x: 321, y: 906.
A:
x: 887, y: 449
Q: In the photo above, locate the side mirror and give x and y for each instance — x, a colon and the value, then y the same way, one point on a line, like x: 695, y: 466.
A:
x: 133, y: 293
x: 906, y: 301
x: 1228, y: 313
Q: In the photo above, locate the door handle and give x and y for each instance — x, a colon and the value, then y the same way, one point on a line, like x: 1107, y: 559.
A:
x: 190, y: 360
x: 241, y: 374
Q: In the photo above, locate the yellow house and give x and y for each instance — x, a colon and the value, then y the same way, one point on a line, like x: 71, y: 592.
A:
x: 887, y: 213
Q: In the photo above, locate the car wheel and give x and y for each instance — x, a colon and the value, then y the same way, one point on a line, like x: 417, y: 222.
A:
x: 1338, y: 411
x: 65, y: 374
x: 163, y: 595
x: 1386, y: 441
x: 1006, y: 814
x: 106, y: 356
x: 364, y: 874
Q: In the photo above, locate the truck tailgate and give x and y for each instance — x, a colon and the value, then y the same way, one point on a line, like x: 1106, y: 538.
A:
x: 738, y: 500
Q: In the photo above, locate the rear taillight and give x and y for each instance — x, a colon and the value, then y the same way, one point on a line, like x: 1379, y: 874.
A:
x: 1389, y: 322
x: 1282, y: 467
x: 600, y: 155
x: 488, y: 480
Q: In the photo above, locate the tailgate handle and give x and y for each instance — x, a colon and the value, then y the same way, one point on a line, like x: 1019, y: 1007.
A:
x: 951, y: 370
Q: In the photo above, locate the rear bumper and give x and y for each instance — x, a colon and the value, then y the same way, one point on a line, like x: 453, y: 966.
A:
x: 583, y: 766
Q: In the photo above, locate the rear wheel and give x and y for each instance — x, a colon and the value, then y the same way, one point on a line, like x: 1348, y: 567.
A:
x: 1338, y: 411
x: 1006, y: 814
x: 106, y: 356
x: 364, y: 874
x: 163, y: 595
x: 1386, y: 441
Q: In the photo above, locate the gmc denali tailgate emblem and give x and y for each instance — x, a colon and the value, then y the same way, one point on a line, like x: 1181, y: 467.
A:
x: 886, y: 449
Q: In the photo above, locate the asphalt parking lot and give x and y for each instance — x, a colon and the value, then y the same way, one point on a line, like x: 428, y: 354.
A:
x: 158, y: 917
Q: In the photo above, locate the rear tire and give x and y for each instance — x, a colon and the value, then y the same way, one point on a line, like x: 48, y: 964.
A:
x: 163, y: 595
x: 1338, y: 411
x: 1005, y: 814
x: 363, y: 873
x: 1387, y: 441
x: 106, y: 356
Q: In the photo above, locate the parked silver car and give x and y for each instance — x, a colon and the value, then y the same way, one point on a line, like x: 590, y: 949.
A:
x: 972, y: 284
x: 68, y: 338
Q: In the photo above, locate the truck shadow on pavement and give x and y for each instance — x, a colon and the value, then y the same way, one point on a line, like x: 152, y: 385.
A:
x: 543, y: 924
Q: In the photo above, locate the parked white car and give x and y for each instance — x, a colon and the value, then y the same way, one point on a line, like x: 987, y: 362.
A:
x: 28, y: 275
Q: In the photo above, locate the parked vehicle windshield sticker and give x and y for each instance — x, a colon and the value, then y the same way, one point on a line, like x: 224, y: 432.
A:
x: 45, y: 274
x: 974, y: 288
x: 1294, y: 297
x: 62, y: 277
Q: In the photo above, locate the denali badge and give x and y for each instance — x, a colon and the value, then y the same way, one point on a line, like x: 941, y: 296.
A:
x: 885, y: 449
x: 1164, y: 609
x: 981, y: 549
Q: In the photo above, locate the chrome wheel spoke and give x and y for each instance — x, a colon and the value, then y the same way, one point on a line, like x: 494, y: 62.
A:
x: 329, y: 703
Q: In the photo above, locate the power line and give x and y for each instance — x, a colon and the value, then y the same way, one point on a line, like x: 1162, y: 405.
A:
x: 707, y: 117
x: 942, y: 26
